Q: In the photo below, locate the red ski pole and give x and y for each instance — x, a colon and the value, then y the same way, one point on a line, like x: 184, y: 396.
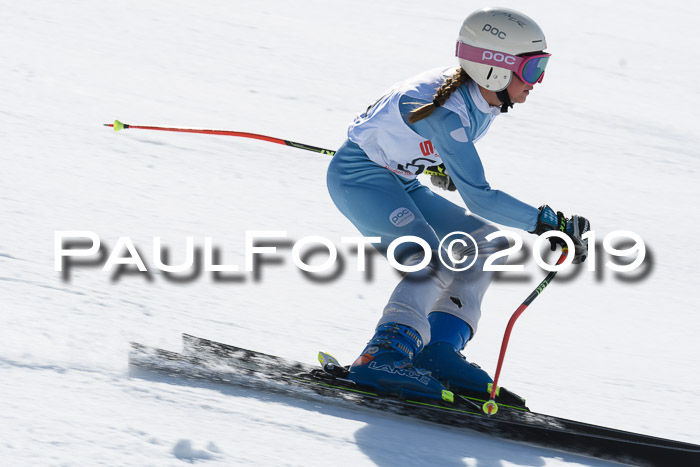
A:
x: 490, y: 407
x: 117, y: 125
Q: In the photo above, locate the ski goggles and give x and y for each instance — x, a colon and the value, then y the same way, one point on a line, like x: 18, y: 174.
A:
x: 529, y: 68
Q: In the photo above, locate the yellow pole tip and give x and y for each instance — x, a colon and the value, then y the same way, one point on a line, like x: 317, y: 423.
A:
x: 118, y: 125
x: 490, y: 407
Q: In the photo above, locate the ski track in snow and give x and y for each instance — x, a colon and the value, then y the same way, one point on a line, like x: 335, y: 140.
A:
x: 604, y: 135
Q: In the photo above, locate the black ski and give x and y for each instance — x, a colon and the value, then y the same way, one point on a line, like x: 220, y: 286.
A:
x: 221, y: 363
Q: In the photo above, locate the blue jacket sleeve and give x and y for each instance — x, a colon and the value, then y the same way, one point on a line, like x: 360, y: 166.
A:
x: 444, y: 128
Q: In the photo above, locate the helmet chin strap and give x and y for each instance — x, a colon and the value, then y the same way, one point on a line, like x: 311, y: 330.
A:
x: 504, y: 97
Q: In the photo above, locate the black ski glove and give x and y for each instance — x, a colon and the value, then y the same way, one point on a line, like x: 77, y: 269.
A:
x: 443, y: 181
x: 575, y: 228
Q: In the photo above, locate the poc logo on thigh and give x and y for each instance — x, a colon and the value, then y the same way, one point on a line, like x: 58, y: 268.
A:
x: 401, y: 217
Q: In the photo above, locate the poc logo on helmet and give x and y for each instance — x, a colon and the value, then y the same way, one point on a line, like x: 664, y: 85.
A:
x: 401, y: 217
x: 495, y: 31
x: 498, y: 57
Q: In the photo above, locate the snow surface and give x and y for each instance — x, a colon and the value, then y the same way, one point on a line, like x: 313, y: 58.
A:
x: 611, y: 134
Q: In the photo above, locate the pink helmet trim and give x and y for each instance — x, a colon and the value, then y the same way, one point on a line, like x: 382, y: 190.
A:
x: 494, y: 58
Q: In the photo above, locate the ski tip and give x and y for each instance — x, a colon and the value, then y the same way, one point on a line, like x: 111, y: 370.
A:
x: 117, y: 125
x: 490, y: 407
x: 448, y: 396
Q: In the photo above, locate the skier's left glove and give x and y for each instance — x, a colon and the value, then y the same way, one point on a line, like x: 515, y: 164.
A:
x: 443, y: 181
x: 575, y: 228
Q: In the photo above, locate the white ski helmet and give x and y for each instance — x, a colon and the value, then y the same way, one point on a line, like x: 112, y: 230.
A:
x: 497, y: 30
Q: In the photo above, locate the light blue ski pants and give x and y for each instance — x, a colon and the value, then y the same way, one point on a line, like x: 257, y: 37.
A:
x: 382, y: 204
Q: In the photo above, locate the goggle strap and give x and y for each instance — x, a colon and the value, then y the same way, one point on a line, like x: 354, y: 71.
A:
x: 489, y: 57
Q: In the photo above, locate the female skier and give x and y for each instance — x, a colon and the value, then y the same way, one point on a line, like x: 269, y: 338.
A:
x: 429, y: 120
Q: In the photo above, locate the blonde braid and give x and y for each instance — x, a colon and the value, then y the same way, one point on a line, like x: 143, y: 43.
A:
x: 441, y: 95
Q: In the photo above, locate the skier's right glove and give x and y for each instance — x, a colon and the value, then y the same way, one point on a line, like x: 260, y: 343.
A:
x: 575, y: 228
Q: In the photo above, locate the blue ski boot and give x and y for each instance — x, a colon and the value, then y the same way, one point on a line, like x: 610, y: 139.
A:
x: 442, y: 357
x: 385, y: 365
